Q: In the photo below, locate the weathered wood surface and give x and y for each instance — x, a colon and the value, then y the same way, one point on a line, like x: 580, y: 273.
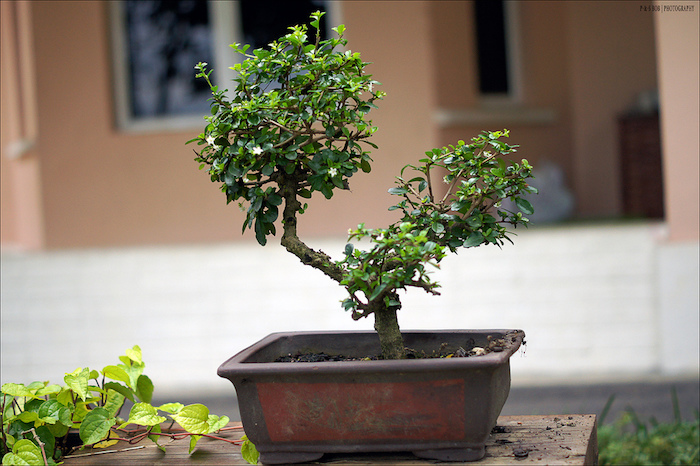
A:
x: 553, y: 440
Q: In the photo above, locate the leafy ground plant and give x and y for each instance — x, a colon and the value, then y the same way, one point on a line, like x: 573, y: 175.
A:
x: 42, y: 422
x: 630, y: 441
x: 296, y: 124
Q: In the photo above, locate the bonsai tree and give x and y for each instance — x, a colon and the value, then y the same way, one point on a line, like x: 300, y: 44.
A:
x: 296, y: 123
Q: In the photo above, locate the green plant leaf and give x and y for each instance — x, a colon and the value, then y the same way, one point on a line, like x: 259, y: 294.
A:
x: 27, y: 416
x: 24, y: 452
x: 248, y: 451
x: 193, y: 442
x: 52, y: 408
x: 217, y: 422
x: 398, y: 191
x: 524, y: 206
x: 17, y: 389
x: 194, y: 419
x: 144, y: 388
x: 135, y: 354
x: 143, y: 414
x: 114, y: 402
x: 78, y: 382
x: 48, y: 390
x: 172, y: 408
x: 154, y: 438
x: 95, y: 426
x: 117, y: 387
x: 116, y: 373
x: 474, y: 239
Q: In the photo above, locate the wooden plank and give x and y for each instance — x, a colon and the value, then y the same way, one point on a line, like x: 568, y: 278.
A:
x: 561, y: 440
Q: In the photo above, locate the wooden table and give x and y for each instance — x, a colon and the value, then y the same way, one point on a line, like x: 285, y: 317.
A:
x: 565, y: 440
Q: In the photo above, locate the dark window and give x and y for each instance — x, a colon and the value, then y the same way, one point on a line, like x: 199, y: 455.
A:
x: 165, y: 40
x: 266, y: 20
x: 492, y: 50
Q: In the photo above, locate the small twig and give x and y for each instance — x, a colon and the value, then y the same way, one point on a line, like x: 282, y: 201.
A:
x: 40, y: 443
x: 104, y: 452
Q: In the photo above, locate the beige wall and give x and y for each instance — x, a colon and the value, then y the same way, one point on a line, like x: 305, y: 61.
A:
x: 678, y: 52
x: 86, y: 184
x: 20, y: 190
x: 543, y: 78
x: 611, y: 60
x: 104, y: 187
x: 101, y: 186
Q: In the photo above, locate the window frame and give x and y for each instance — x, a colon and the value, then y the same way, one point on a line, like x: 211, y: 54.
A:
x: 226, y: 28
x: 511, y: 26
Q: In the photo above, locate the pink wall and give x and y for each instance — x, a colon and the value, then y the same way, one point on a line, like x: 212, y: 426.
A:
x: 611, y: 59
x: 678, y: 52
x: 87, y: 184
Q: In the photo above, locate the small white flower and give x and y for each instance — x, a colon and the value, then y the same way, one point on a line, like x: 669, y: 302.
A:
x: 370, y: 87
x: 210, y: 140
x: 332, y: 172
x: 257, y: 150
x: 215, y: 147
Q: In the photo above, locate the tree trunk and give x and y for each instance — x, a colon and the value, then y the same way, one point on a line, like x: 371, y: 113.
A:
x: 386, y: 324
x: 385, y: 321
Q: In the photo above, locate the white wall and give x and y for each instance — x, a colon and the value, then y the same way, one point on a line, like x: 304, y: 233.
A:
x: 600, y: 300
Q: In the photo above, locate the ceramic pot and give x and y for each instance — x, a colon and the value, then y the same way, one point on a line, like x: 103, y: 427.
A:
x: 438, y: 408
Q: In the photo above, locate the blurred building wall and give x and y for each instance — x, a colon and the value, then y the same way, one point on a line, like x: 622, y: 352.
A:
x: 129, y: 243
x: 72, y: 178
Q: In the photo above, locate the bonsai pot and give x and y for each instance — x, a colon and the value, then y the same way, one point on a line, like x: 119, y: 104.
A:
x: 437, y: 408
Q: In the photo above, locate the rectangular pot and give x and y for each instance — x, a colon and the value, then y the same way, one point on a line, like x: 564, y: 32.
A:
x: 439, y: 408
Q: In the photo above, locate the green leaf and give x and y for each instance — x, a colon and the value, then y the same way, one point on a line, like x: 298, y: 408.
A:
x: 377, y: 291
x: 95, y: 426
x: 114, y: 403
x: 524, y: 206
x: 217, y: 422
x: 143, y: 414
x: 194, y: 419
x: 154, y: 438
x: 474, y: 239
x: 437, y: 227
x: 24, y: 452
x: 398, y: 191
x: 116, y: 373
x: 117, y: 387
x: 135, y: 354
x: 48, y: 390
x: 28, y: 416
x: 172, y: 408
x: 52, y: 408
x: 144, y: 388
x: 365, y: 166
x: 134, y: 370
x: 193, y: 442
x: 248, y: 451
x: 17, y: 389
x: 78, y: 381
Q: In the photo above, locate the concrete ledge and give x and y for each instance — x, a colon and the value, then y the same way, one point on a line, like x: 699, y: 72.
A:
x: 596, y: 299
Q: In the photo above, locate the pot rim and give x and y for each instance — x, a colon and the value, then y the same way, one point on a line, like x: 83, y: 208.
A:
x: 238, y: 367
